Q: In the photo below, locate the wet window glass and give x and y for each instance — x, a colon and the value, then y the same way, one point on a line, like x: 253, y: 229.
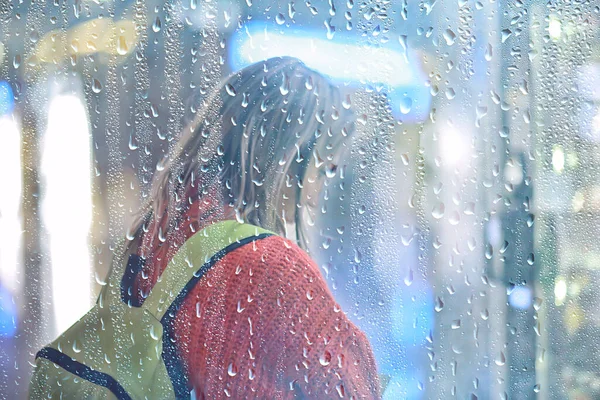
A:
x: 299, y: 199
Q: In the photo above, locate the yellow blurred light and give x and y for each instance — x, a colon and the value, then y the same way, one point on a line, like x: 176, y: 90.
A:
x: 94, y: 36
x: 573, y: 317
x: 560, y: 291
x: 577, y: 202
x: 572, y: 159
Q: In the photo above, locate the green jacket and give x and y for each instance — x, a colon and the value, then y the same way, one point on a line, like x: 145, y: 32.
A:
x: 125, y: 352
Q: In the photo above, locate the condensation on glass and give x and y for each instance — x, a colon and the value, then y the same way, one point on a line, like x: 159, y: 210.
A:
x: 460, y: 235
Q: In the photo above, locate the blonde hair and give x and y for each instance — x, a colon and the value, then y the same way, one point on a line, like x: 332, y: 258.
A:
x: 254, y: 135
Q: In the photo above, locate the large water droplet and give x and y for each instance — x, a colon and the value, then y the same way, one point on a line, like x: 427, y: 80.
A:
x: 438, y: 211
x: 230, y: 89
x: 537, y: 303
x: 325, y: 358
x: 501, y: 359
x: 76, y: 346
x: 489, y: 52
x: 17, y: 61
x: 232, y: 370
x: 449, y: 37
x: 454, y: 218
x: 122, y: 47
x: 505, y: 34
x: 153, y: 334
x: 157, y: 25
x: 96, y: 86
x: 330, y: 29
x: 489, y: 251
x: 405, y: 105
x: 408, y: 280
x: 439, y: 304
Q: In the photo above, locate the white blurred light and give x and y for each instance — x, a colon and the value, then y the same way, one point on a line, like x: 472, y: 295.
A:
x: 67, y: 207
x: 520, y: 297
x: 455, y: 148
x: 560, y: 291
x: 578, y: 201
x: 10, y: 203
x: 554, y: 28
x: 558, y: 159
x: 370, y: 64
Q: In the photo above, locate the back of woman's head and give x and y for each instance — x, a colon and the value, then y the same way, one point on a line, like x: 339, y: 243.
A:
x: 254, y: 136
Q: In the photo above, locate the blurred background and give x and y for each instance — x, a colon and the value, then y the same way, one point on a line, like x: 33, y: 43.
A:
x: 462, y: 238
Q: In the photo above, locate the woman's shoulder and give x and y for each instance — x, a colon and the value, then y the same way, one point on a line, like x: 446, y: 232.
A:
x: 278, y: 251
x: 273, y: 260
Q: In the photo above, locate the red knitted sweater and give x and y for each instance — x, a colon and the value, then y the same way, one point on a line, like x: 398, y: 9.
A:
x: 262, y: 323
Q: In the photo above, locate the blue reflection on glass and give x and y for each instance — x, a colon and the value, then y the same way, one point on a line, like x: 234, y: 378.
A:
x: 8, y: 313
x: 7, y: 101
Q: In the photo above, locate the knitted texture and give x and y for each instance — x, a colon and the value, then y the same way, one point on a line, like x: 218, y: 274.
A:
x: 262, y: 323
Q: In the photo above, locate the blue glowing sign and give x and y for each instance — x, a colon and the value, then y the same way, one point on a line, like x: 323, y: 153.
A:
x: 7, y: 101
x: 387, y: 65
x: 8, y: 314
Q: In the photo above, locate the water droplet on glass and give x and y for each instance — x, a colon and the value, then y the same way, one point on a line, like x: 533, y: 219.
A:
x: 340, y: 390
x: 485, y: 314
x: 439, y: 304
x: 405, y: 105
x: 449, y: 37
x: 530, y: 219
x: 489, y: 52
x: 133, y: 145
x: 408, y: 280
x: 501, y: 359
x: 156, y: 26
x: 505, y: 34
x: 325, y: 358
x: 99, y: 280
x: 122, y: 48
x: 230, y: 89
x: 438, y: 211
x: 530, y: 259
x: 489, y: 251
x: 537, y: 303
x: 280, y: 19
x: 347, y: 102
x: 161, y: 235
x: 429, y: 4
x: 330, y: 29
x: 96, y: 86
x: 76, y: 346
x: 232, y: 370
x: 454, y: 218
x: 153, y: 333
